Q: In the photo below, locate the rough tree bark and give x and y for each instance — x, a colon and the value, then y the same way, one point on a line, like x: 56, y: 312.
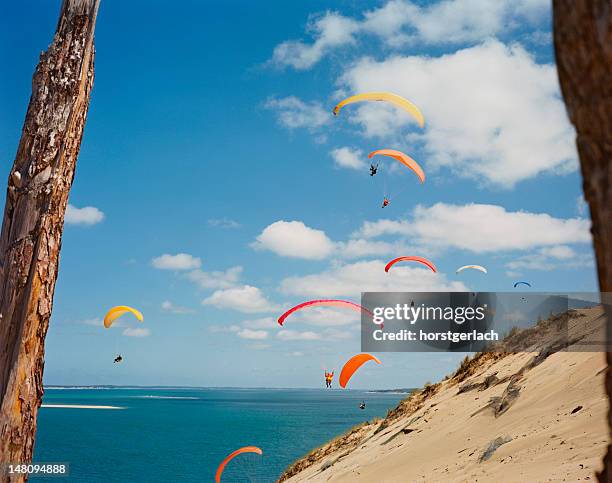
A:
x: 583, y: 45
x: 36, y: 199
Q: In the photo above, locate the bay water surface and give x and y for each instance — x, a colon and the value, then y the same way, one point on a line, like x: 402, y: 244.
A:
x: 182, y: 434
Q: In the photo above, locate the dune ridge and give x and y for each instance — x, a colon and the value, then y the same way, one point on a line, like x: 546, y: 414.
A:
x: 509, y: 415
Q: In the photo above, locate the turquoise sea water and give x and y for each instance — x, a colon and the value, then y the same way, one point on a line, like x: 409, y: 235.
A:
x: 183, y: 434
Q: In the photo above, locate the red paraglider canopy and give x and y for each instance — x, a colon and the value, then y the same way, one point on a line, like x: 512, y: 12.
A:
x: 324, y: 303
x: 422, y: 260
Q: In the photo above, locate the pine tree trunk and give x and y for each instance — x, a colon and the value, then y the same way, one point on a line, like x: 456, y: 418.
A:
x: 583, y: 45
x: 36, y: 199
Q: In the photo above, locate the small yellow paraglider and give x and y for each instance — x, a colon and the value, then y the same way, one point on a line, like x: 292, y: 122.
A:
x: 117, y: 312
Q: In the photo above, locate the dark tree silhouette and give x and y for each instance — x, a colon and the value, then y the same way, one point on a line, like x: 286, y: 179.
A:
x: 583, y: 45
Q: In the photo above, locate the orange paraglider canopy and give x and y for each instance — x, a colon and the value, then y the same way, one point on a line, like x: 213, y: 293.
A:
x: 352, y: 365
x: 402, y: 158
x: 228, y: 458
x: 422, y: 260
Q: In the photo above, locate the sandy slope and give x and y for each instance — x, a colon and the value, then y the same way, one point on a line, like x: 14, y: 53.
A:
x: 441, y: 434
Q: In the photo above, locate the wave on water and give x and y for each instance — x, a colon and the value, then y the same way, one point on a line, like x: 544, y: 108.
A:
x: 151, y: 396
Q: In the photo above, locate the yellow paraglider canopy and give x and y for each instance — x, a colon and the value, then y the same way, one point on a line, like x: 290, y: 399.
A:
x: 117, y: 312
x: 387, y: 97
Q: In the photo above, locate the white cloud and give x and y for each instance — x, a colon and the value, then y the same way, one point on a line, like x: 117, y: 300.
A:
x: 97, y: 321
x: 452, y: 21
x: 326, y: 317
x: 481, y: 228
x: 493, y: 113
x: 87, y: 216
x: 180, y: 261
x: 372, y: 229
x: 136, y: 332
x: 327, y: 335
x: 252, y: 334
x: 539, y: 38
x: 175, y: 309
x: 294, y: 239
x: 294, y: 113
x: 287, y: 334
x: 216, y: 279
x: 330, y: 30
x: 349, y: 280
x: 263, y: 323
x: 361, y: 248
x: 398, y: 22
x: 432, y: 230
x: 251, y: 329
x: 215, y: 329
x: 245, y: 298
x: 560, y: 252
x: 550, y: 258
x: 346, y: 157
x: 389, y: 20
x: 337, y: 334
x: 224, y: 223
x: 260, y: 346
x: 581, y: 205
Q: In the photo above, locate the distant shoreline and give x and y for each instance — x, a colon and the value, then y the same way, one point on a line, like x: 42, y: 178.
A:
x: 392, y: 391
x: 79, y: 406
x: 166, y: 388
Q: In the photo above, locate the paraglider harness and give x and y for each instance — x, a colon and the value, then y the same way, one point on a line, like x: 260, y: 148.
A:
x: 385, y: 202
x: 118, y: 359
x: 373, y: 169
x: 362, y: 405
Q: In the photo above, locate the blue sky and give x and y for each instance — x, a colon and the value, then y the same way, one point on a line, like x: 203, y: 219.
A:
x: 214, y: 188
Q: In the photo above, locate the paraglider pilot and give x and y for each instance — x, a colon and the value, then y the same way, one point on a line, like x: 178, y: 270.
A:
x: 373, y: 169
x: 385, y: 202
x: 118, y: 359
x: 362, y: 405
x: 329, y: 376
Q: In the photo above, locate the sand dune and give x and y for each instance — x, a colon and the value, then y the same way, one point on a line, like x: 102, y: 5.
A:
x: 509, y: 417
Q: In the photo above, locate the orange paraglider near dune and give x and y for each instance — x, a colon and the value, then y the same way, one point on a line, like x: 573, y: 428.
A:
x: 353, y: 364
x: 228, y: 458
